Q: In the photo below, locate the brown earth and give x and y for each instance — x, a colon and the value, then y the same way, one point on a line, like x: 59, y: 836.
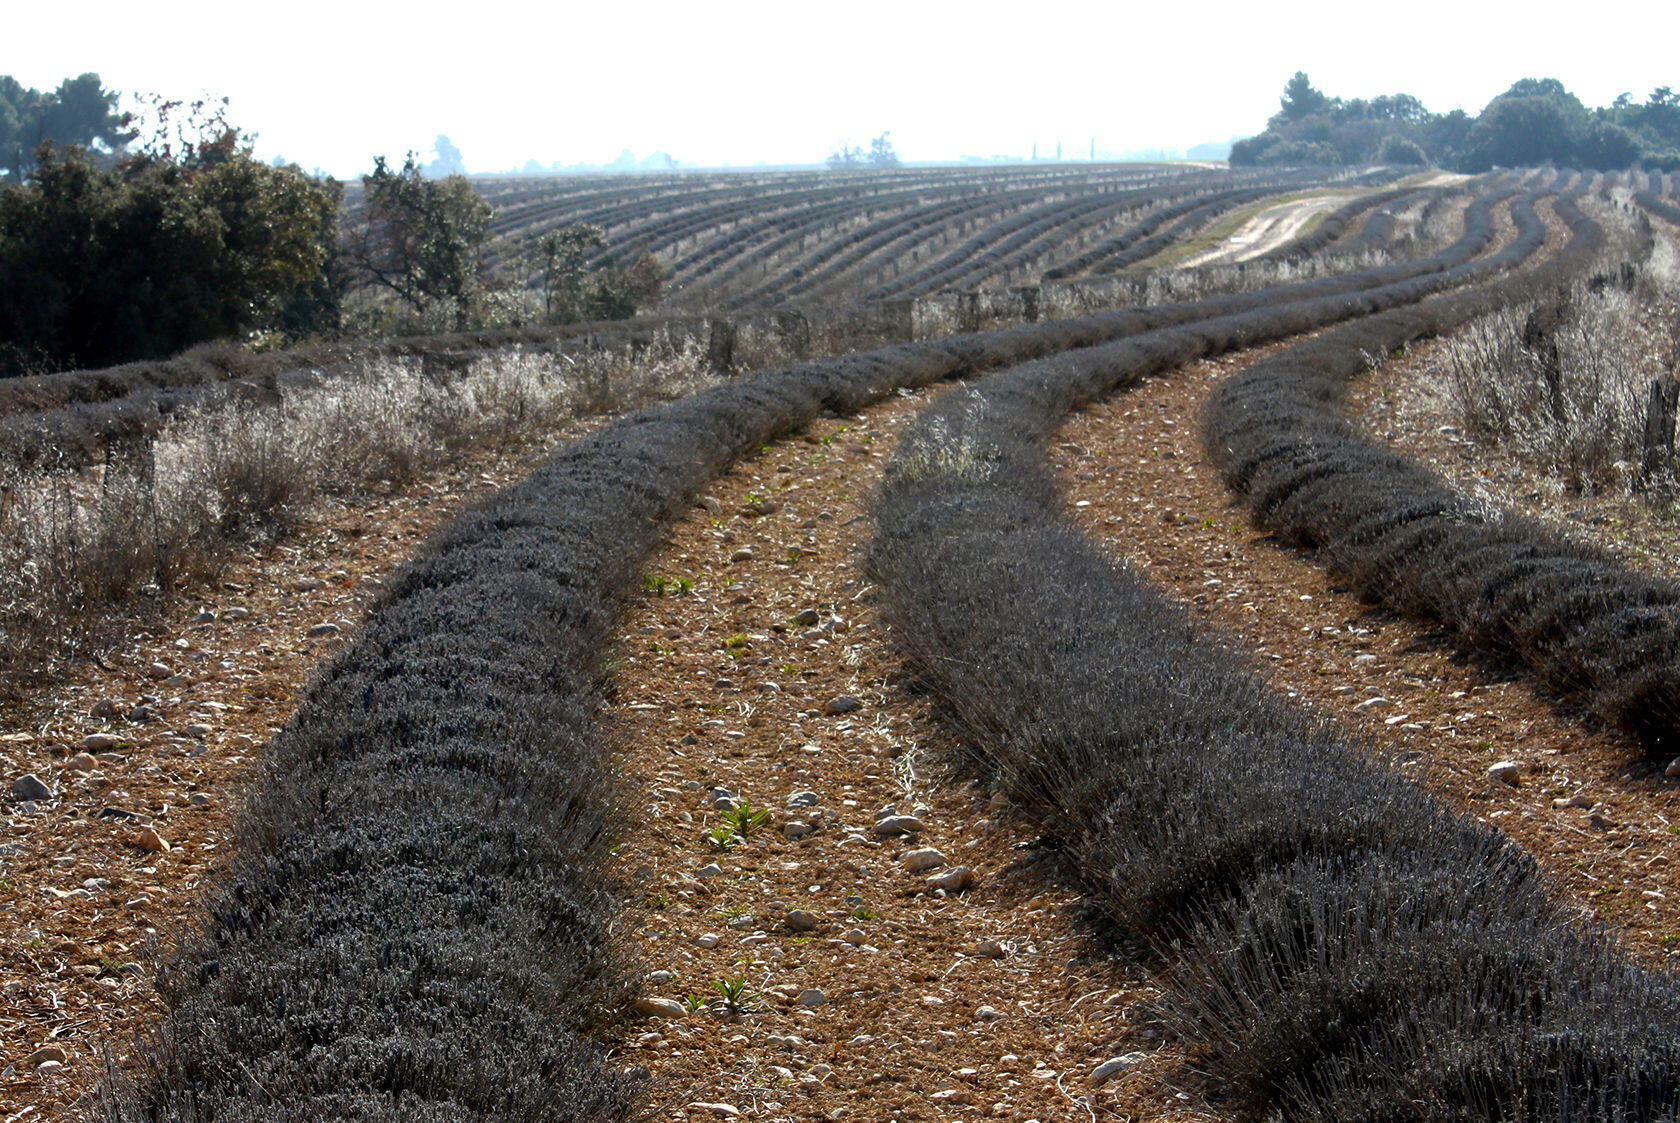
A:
x: 725, y: 685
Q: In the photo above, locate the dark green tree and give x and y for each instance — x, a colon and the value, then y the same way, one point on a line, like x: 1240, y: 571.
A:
x: 881, y: 152
x: 420, y: 239
x: 105, y: 264
x: 1301, y: 99
x: 80, y: 112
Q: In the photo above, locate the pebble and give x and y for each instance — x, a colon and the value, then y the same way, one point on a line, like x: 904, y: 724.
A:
x: 716, y: 1109
x: 989, y: 1014
x: 709, y: 940
x: 326, y: 628
x: 661, y: 976
x: 1506, y: 772
x: 793, y: 830
x: 1576, y: 800
x: 50, y: 1068
x: 952, y: 880
x: 710, y: 503
x: 812, y: 997
x: 198, y: 730
x: 106, y: 707
x: 101, y: 742
x: 30, y: 787
x: 1673, y: 768
x: 46, y: 1053
x: 205, y: 617
x: 897, y: 825
x: 199, y: 799
x: 844, y: 704
x: 801, y: 920
x: 927, y: 858
x: 307, y: 585
x: 805, y: 618
x: 144, y: 713
x: 1113, y: 1067
x: 991, y: 949
x: 82, y: 762
x: 159, y: 670
x: 659, y: 1008
x: 1371, y: 703
x: 711, y: 869
x: 803, y: 799
x: 148, y: 839
x: 238, y: 612
x: 854, y: 936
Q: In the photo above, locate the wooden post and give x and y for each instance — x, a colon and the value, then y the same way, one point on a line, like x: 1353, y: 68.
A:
x: 1658, y: 459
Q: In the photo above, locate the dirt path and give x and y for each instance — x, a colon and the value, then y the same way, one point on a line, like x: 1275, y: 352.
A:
x: 1603, y: 824
x: 874, y: 996
x: 1265, y: 231
x: 92, y: 879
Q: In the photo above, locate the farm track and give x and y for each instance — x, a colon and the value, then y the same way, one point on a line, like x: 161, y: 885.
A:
x: 65, y: 961
x: 904, y: 1031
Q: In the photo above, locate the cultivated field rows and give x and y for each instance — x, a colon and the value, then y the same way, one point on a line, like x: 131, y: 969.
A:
x: 553, y: 731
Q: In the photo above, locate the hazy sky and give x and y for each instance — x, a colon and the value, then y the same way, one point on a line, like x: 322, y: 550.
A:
x: 331, y: 84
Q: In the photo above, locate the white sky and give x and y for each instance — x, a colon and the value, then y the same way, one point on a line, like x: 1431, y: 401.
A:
x: 715, y: 81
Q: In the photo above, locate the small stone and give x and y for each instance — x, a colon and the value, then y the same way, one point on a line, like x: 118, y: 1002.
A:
x: 1371, y: 703
x: 326, y: 628
x: 709, y: 503
x: 927, y: 858
x: 198, y: 731
x: 148, y: 839
x: 991, y: 949
x: 159, y: 670
x: 715, y: 1109
x: 811, y: 997
x: 659, y: 1008
x: 794, y: 829
x: 800, y: 920
x: 29, y: 787
x: 50, y: 1068
x: 1576, y: 800
x: 101, y: 742
x: 199, y: 799
x: 46, y: 1053
x: 854, y: 936
x: 106, y: 707
x: 989, y: 1014
x: 1673, y: 768
x: 205, y: 617
x: 661, y: 976
x: 805, y: 618
x: 1112, y: 1068
x: 743, y: 554
x: 1506, y: 772
x: 688, y: 739
x: 238, y: 612
x: 308, y: 584
x: 952, y: 880
x: 844, y: 704
x: 803, y: 799
x: 81, y: 762
x: 709, y: 940
x: 144, y: 714
x: 898, y: 824
x: 711, y: 869
x: 953, y: 1096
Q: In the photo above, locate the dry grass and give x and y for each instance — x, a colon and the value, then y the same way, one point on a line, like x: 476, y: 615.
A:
x: 75, y: 546
x: 1565, y: 386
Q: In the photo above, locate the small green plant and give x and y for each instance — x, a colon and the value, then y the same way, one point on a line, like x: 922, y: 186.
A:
x: 736, y: 997
x: 736, y: 645
x: 864, y: 912
x: 693, y: 1003
x: 659, y: 901
x: 743, y: 819
x: 730, y: 912
x: 723, y: 837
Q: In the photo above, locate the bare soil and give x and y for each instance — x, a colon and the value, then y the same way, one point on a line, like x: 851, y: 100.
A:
x: 723, y: 685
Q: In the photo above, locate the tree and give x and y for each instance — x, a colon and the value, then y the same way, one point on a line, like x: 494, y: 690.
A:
x: 102, y: 264
x: 80, y: 112
x: 448, y: 160
x: 881, y: 154
x: 1399, y: 150
x: 421, y: 239
x: 846, y: 157
x: 573, y: 291
x: 1300, y: 99
x: 1521, y: 131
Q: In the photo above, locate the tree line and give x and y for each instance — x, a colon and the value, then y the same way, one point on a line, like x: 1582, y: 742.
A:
x: 118, y: 246
x: 1536, y: 121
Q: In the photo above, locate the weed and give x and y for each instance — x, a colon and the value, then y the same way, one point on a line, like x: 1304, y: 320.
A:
x: 744, y: 819
x: 736, y: 997
x: 723, y: 837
